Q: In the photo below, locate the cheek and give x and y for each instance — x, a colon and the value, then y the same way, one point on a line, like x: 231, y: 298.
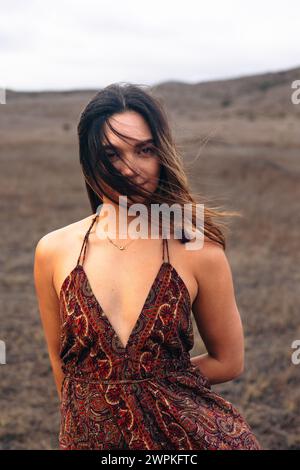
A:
x: 152, y: 171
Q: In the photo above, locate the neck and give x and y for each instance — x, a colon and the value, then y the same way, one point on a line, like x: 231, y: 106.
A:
x: 114, y: 216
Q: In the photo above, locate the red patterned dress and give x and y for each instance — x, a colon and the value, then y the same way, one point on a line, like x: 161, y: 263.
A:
x: 147, y: 395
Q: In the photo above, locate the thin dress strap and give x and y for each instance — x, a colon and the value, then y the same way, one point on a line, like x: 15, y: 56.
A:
x: 85, y: 240
x: 165, y: 242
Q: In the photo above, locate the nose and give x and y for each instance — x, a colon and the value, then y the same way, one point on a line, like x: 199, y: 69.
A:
x: 128, y: 166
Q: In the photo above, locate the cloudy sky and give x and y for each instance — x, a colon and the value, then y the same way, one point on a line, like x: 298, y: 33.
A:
x: 66, y: 44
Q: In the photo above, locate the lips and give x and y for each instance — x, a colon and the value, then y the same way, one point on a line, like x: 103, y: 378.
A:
x: 139, y: 184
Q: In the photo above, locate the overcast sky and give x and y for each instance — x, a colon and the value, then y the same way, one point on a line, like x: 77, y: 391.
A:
x: 66, y: 44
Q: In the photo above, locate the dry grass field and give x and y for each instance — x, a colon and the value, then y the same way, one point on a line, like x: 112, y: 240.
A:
x: 240, y: 142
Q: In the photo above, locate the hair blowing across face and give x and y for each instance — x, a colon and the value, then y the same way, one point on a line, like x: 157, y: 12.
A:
x: 97, y: 168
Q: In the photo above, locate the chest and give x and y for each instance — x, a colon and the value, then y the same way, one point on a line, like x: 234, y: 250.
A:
x: 121, y: 283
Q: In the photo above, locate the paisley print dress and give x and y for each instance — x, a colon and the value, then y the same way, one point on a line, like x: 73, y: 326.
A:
x: 146, y: 395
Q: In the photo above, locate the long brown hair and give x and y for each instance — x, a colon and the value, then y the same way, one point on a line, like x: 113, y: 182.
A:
x: 173, y: 187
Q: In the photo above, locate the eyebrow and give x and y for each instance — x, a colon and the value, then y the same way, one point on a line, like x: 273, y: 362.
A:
x: 139, y: 144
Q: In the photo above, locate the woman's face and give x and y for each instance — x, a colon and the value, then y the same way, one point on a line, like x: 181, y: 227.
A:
x: 139, y: 154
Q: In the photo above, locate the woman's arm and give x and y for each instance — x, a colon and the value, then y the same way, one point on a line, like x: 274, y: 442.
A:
x: 48, y: 302
x: 217, y: 317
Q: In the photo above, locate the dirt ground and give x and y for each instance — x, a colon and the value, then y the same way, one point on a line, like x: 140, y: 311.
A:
x: 250, y: 163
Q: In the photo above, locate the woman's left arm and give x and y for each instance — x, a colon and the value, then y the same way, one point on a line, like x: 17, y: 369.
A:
x: 217, y: 317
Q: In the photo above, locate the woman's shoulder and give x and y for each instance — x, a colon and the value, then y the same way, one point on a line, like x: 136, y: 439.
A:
x: 209, y: 249
x: 203, y: 246
x: 199, y: 255
x: 58, y: 239
x: 209, y: 260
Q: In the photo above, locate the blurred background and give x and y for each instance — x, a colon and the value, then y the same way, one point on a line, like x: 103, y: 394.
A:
x: 224, y: 72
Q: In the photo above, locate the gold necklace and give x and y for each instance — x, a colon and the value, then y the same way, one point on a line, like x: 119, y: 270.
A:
x: 122, y: 247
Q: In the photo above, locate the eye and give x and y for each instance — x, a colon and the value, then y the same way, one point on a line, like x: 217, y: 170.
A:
x: 145, y: 150
x: 148, y: 150
x: 111, y: 154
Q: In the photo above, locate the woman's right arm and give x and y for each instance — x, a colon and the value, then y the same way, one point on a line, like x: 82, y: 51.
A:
x: 48, y: 302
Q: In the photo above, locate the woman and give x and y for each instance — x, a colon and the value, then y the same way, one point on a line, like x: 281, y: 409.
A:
x: 118, y: 321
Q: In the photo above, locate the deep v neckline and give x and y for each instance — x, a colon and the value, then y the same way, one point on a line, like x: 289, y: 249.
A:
x: 138, y: 319
x: 123, y: 349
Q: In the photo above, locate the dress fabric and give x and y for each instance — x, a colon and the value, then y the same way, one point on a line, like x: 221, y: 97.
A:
x: 147, y: 395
